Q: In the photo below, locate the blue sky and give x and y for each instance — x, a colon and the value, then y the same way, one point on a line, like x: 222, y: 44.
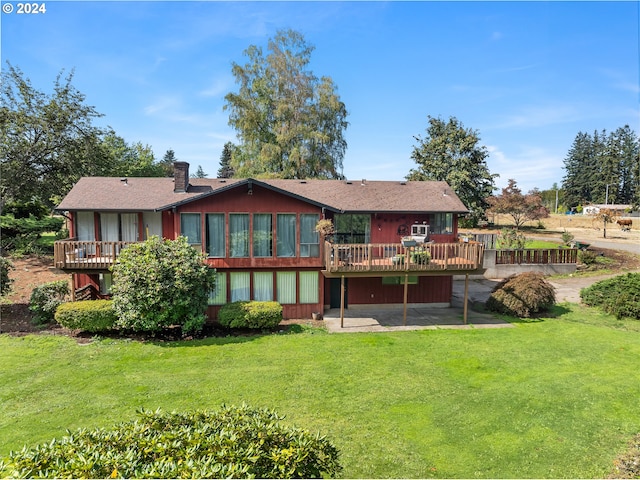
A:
x: 528, y: 76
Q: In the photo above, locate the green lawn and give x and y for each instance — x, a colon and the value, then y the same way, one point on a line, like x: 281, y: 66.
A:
x: 550, y: 398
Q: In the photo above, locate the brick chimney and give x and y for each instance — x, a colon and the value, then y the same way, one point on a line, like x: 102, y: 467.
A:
x: 180, y: 177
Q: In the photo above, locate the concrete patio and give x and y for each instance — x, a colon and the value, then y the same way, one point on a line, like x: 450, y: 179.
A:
x: 422, y: 318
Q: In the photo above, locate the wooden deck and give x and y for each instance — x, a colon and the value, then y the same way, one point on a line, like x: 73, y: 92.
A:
x: 386, y: 259
x: 81, y: 256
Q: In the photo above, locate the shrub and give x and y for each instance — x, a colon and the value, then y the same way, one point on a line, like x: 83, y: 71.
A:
x: 587, y: 257
x: 233, y: 442
x: 5, y: 281
x: 522, y: 295
x: 421, y: 257
x: 619, y: 296
x: 45, y: 299
x: 159, y: 283
x: 567, y: 238
x: 510, y: 239
x: 90, y: 316
x: 250, y: 315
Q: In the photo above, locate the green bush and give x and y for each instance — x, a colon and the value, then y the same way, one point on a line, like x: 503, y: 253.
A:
x: 90, y: 316
x: 160, y: 283
x: 21, y: 234
x: 522, y: 295
x: 619, y: 296
x: 233, y: 442
x: 5, y: 281
x: 421, y: 257
x: 46, y: 298
x: 587, y: 257
x: 250, y: 315
x: 510, y: 239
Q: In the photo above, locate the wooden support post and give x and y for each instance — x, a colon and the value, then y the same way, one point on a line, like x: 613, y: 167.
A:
x: 406, y: 296
x: 466, y: 294
x: 73, y: 287
x: 342, y: 302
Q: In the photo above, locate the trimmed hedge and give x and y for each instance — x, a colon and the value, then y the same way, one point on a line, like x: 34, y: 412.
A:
x: 233, y: 442
x: 90, y: 316
x: 619, y: 296
x: 250, y: 314
x: 522, y: 295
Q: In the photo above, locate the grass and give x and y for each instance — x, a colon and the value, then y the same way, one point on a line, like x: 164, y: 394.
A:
x: 551, y: 398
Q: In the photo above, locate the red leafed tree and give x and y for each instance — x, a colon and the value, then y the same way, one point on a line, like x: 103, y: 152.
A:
x: 519, y: 206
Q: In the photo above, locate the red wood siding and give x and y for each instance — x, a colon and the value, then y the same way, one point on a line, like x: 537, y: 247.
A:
x: 371, y: 291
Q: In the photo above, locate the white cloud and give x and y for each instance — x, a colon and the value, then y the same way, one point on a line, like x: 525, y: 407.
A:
x: 530, y: 167
x: 541, y: 116
x: 219, y: 85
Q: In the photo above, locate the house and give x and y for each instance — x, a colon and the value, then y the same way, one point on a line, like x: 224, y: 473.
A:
x: 595, y: 209
x: 260, y: 237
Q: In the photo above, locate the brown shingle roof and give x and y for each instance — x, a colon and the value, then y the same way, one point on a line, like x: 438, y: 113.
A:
x: 144, y: 194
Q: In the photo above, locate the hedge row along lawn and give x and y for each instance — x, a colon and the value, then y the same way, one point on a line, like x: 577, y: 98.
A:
x: 553, y: 397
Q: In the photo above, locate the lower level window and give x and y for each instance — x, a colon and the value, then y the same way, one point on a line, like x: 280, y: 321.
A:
x: 218, y: 296
x: 263, y: 286
x: 309, y: 287
x: 240, y: 286
x: 286, y: 285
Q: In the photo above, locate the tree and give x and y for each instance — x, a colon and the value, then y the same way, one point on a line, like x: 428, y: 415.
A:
x: 158, y: 283
x: 167, y: 163
x: 603, y: 168
x: 200, y: 173
x: 606, y: 215
x: 136, y: 160
x: 290, y: 123
x: 451, y: 153
x: 47, y: 141
x: 226, y: 170
x: 522, y: 208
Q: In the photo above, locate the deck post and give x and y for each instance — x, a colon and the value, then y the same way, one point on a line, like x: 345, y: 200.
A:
x: 466, y: 295
x: 342, y: 302
x: 73, y: 287
x: 406, y: 296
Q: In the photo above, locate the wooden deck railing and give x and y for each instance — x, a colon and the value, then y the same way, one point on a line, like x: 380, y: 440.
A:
x: 542, y: 256
x: 393, y: 257
x: 80, y: 255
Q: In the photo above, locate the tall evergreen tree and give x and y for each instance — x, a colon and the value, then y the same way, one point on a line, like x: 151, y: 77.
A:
x: 200, y: 173
x: 167, y: 162
x: 603, y: 168
x: 451, y: 153
x: 226, y: 170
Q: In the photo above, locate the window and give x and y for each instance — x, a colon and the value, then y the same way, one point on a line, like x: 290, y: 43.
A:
x: 262, y: 235
x: 240, y: 286
x: 106, y: 279
x: 216, y: 244
x: 286, y: 234
x: 286, y: 285
x: 218, y: 296
x: 239, y: 234
x: 353, y: 228
x: 263, y: 286
x: 309, y: 287
x: 190, y: 228
x: 309, y: 238
x: 442, y: 223
x: 412, y: 280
